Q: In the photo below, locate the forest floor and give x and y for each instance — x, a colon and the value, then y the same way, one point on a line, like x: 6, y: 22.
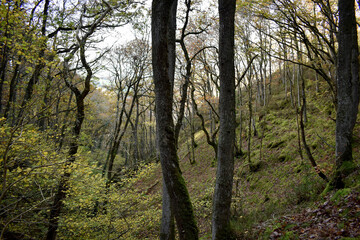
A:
x: 336, y: 218
x: 283, y: 198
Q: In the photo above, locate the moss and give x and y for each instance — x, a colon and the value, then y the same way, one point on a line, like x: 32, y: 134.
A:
x: 276, y: 144
x: 329, y: 187
x: 305, y: 190
x: 255, y: 166
x: 185, y: 207
x: 341, y: 177
x: 282, y: 158
x: 298, y: 168
x: 289, y: 235
x: 350, y: 238
x: 271, y: 157
x: 340, y: 194
x: 213, y: 163
x: 347, y: 168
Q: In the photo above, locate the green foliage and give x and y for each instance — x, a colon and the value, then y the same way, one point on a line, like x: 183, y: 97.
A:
x: 29, y: 173
x: 308, y: 189
x: 121, y: 211
x: 92, y: 211
x: 203, y: 204
x: 347, y: 167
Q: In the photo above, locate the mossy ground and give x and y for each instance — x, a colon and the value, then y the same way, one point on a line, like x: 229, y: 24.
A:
x: 283, y: 183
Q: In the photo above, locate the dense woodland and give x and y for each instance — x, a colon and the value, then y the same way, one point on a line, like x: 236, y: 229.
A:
x: 188, y: 119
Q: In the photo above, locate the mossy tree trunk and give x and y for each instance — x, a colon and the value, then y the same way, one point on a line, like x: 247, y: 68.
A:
x: 167, y: 228
x: 225, y: 168
x: 163, y: 40
x: 347, y: 89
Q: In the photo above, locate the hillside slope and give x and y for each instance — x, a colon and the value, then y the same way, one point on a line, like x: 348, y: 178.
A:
x: 284, y: 184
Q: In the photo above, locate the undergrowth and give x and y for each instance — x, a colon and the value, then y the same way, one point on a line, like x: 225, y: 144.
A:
x: 283, y: 183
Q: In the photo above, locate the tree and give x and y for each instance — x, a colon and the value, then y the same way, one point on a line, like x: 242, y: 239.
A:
x: 167, y: 228
x: 314, y: 24
x: 347, y: 89
x: 128, y: 65
x: 225, y: 168
x: 38, y: 67
x: 163, y: 39
x: 204, y: 95
x: 80, y: 115
x: 210, y: 137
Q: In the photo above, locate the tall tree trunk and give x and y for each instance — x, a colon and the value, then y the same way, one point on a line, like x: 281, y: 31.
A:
x: 120, y: 130
x: 347, y: 89
x: 73, y: 149
x: 80, y: 115
x: 151, y: 143
x: 43, y: 119
x: 270, y: 71
x: 12, y: 92
x: 163, y: 41
x: 249, y: 123
x: 210, y: 139
x: 4, y: 56
x: 188, y: 69
x: 64, y: 123
x: 167, y: 229
x: 225, y: 169
x: 240, y: 121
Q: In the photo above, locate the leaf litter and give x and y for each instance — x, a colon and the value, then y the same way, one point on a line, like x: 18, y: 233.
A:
x: 330, y: 220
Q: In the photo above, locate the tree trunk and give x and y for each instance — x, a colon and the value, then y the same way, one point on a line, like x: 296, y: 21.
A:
x: 307, y: 149
x: 80, y: 115
x: 211, y: 140
x: 167, y: 229
x: 38, y: 68
x: 347, y: 89
x: 63, y: 185
x: 12, y: 92
x: 163, y: 40
x: 225, y: 169
x: 188, y: 68
x: 249, y: 123
x: 4, y: 56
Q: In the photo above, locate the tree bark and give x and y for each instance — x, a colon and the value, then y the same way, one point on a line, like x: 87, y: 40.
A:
x: 307, y: 149
x: 163, y: 39
x: 12, y: 92
x: 347, y: 89
x: 167, y: 229
x: 225, y: 169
